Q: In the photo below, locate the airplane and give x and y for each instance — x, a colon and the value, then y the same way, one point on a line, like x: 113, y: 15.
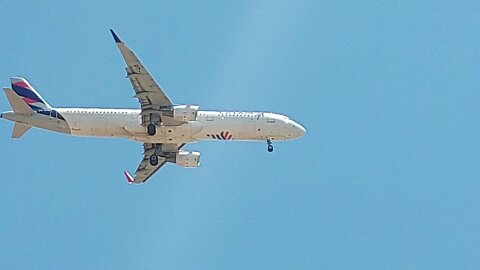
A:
x: 161, y: 125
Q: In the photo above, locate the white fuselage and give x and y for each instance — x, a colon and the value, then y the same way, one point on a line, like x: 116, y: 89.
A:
x: 210, y: 125
x: 162, y: 126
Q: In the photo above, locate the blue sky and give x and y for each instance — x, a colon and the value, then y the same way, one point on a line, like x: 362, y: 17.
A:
x: 387, y: 176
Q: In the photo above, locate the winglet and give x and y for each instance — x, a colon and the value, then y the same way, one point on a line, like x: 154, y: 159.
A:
x: 117, y: 40
x: 129, y: 177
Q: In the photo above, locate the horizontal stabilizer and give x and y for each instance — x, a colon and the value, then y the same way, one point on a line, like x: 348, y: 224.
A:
x: 20, y: 129
x: 18, y: 105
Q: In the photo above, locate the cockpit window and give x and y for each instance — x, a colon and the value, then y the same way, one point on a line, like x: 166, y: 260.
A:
x: 270, y: 120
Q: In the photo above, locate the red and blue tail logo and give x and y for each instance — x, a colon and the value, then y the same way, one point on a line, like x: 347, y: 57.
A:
x: 28, y: 94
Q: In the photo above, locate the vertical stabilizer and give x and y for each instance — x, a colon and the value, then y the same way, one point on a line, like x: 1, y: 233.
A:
x: 18, y: 104
x: 28, y: 94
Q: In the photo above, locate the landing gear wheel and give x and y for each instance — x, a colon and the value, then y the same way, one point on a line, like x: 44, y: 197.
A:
x: 151, y: 129
x: 270, y: 145
x: 153, y: 160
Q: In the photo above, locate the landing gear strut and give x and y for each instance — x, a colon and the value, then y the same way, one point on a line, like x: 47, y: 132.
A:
x: 269, y: 145
x: 153, y: 160
x: 151, y: 129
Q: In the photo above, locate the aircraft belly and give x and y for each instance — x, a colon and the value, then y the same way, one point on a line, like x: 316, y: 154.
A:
x: 96, y: 126
x: 249, y: 129
x: 166, y: 134
x: 239, y: 129
x: 49, y: 123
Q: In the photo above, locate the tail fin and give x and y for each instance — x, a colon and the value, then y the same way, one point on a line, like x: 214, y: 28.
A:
x: 28, y: 94
x: 18, y: 104
x: 19, y: 107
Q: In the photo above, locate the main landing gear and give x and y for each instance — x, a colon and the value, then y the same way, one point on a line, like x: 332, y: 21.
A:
x: 154, y: 160
x: 269, y: 145
x: 151, y: 129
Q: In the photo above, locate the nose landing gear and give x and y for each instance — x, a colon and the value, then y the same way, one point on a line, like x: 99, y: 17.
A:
x: 269, y: 145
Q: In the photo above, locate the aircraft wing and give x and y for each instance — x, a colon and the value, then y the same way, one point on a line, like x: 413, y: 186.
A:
x: 150, y: 95
x: 145, y: 170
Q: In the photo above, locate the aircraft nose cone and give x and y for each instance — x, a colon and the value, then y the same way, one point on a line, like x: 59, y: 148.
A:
x: 302, y: 129
x: 298, y: 130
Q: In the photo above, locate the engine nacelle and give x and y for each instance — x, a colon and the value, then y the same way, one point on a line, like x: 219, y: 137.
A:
x: 185, y: 112
x: 188, y: 159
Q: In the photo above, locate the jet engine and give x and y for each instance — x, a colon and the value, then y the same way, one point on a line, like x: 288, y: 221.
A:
x: 185, y: 112
x: 188, y: 159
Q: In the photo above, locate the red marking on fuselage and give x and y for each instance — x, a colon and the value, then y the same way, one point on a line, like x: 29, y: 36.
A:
x: 223, y: 136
